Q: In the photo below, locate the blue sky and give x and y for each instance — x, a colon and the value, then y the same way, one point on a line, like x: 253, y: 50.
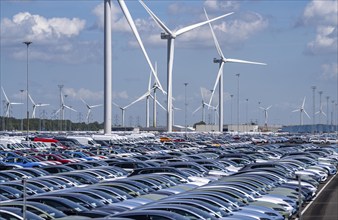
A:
x: 297, y: 39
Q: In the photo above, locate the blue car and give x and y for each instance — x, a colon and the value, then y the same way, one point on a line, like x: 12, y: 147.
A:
x: 23, y: 161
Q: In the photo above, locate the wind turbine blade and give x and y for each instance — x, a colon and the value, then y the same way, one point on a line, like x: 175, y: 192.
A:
x: 16, y: 103
x: 306, y: 114
x: 138, y: 38
x: 95, y: 106
x: 87, y: 116
x: 156, y: 19
x: 41, y: 105
x: 218, y: 48
x: 209, y: 106
x: 303, y: 103
x: 57, y: 111
x: 261, y: 108
x: 84, y: 102
x: 3, y: 91
x: 229, y: 60
x: 69, y: 108
x: 297, y: 110
x: 34, y: 109
x: 178, y: 109
x: 220, y: 71
x: 158, y: 103
x: 268, y: 107
x: 201, y: 89
x: 137, y: 100
x: 324, y: 113
x: 196, y: 110
x: 149, y: 82
x: 31, y: 99
x: 191, y: 27
x: 116, y: 105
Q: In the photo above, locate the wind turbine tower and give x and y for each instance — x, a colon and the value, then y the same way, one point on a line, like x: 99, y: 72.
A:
x: 170, y: 36
x: 302, y: 110
x: 265, y: 110
x: 219, y: 79
x: 107, y: 67
x: 320, y: 106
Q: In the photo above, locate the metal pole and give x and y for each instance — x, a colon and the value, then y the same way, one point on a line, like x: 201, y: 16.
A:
x: 107, y: 67
x: 21, y: 126
x: 246, y: 114
x: 185, y: 109
x: 27, y: 44
x: 327, y: 110
x: 237, y: 101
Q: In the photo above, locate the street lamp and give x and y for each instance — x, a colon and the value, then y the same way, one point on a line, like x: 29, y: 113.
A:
x: 185, y: 108
x: 27, y: 45
x: 22, y: 114
x: 231, y: 96
x: 237, y: 101
x: 327, y: 110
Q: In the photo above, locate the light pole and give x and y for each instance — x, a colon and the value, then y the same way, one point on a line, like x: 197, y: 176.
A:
x: 327, y: 110
x: 237, y: 101
x: 313, y: 107
x: 231, y: 97
x: 246, y: 114
x: 22, y: 114
x: 332, y: 119
x: 185, y: 108
x: 258, y: 117
x: 320, y: 106
x: 27, y: 45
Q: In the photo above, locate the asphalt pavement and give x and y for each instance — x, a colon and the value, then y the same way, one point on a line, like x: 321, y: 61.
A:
x: 325, y: 205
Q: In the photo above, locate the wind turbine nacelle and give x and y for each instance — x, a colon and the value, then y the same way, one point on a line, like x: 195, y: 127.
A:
x: 217, y: 60
x: 164, y: 36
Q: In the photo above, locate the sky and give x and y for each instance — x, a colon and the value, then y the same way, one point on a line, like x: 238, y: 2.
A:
x: 296, y: 39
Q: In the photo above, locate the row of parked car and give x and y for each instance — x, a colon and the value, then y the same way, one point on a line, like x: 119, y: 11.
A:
x: 205, y: 177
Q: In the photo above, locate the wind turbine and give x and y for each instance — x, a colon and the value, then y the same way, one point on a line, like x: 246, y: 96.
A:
x: 219, y: 78
x: 202, y: 106
x: 145, y: 95
x: 62, y: 108
x: 35, y: 105
x: 301, y: 110
x: 321, y: 112
x: 170, y: 36
x: 8, y: 103
x: 89, y: 107
x: 265, y: 110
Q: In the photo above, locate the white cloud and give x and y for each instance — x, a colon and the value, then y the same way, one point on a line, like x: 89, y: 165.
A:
x: 323, y: 15
x: 119, y: 23
x: 325, y: 41
x: 25, y: 26
x: 329, y: 71
x: 221, y: 5
x: 121, y: 95
x: 239, y: 30
x: 321, y: 12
